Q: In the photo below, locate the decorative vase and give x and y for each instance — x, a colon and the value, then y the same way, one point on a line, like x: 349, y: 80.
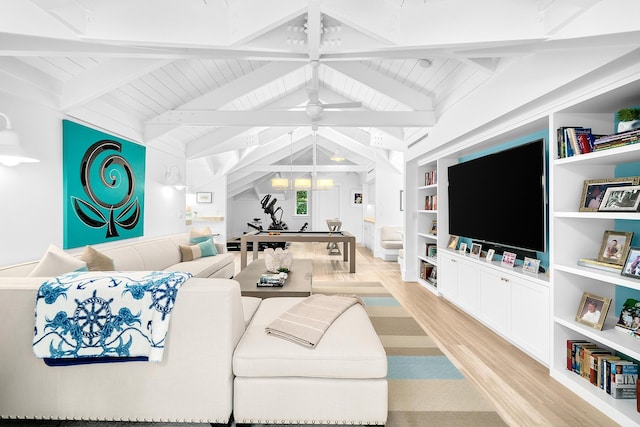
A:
x: 277, y: 259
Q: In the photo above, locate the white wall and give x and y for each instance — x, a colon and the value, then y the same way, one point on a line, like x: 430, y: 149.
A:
x: 218, y: 207
x: 31, y: 216
x: 244, y: 208
x: 388, y: 183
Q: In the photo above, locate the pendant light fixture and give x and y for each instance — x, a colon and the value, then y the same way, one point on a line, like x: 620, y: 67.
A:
x: 11, y: 152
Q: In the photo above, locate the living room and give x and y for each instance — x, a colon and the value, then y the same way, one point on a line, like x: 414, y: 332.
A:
x: 549, y: 65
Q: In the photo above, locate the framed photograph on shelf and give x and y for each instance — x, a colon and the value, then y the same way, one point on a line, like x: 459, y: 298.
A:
x: 204, y: 197
x: 631, y: 266
x: 490, y: 254
x: 434, y: 227
x: 476, y: 250
x: 593, y: 310
x: 531, y: 265
x: 615, y: 247
x: 621, y: 199
x: 453, y: 242
x: 594, y: 189
x: 629, y: 319
x: 508, y: 259
x: 463, y: 248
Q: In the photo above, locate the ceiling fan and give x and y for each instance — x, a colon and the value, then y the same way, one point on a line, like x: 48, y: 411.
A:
x: 314, y: 107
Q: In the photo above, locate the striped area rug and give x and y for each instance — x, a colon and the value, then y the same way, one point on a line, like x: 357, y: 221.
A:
x: 425, y: 388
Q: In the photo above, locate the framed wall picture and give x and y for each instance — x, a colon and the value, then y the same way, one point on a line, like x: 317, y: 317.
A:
x: 631, y: 266
x: 621, y: 199
x: 453, y: 242
x: 508, y: 259
x: 615, y: 247
x: 356, y: 198
x: 594, y: 189
x: 476, y: 250
x: 593, y: 310
x: 204, y: 197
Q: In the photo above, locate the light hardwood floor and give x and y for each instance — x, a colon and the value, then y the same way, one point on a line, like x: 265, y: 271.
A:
x: 520, y: 388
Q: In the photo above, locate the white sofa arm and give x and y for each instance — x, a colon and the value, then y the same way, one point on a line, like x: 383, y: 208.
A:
x: 192, y: 383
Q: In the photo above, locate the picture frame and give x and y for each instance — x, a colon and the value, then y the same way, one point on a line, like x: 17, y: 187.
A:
x: 453, y: 242
x: 432, y: 250
x: 629, y: 318
x: 592, y: 310
x: 490, y: 254
x: 204, y: 197
x: 593, y: 190
x: 631, y: 265
x: 463, y: 248
x: 615, y: 247
x: 621, y: 199
x: 531, y: 265
x: 434, y: 227
x: 356, y: 198
x: 476, y: 250
x: 508, y: 259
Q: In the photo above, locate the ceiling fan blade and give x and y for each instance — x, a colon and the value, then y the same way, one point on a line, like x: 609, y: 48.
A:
x: 355, y: 104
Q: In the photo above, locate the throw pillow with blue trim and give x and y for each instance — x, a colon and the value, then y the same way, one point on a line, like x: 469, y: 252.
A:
x: 199, y: 236
x: 200, y: 250
x: 56, y: 262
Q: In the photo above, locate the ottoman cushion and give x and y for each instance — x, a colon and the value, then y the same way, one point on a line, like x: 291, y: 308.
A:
x: 349, y: 349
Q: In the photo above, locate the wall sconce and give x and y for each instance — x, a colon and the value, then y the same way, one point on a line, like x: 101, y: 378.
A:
x: 173, y: 178
x: 11, y: 152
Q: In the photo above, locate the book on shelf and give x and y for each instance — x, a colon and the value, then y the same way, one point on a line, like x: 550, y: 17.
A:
x: 571, y: 353
x: 587, y: 368
x: 431, y: 177
x: 425, y: 270
x: 616, y: 140
x: 574, y: 140
x: 624, y: 375
x: 598, y: 368
x: 599, y: 265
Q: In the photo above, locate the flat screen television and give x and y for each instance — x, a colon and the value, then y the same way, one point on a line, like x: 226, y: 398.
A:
x: 500, y: 198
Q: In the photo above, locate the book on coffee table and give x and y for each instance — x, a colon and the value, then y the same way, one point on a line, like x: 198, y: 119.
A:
x: 270, y: 280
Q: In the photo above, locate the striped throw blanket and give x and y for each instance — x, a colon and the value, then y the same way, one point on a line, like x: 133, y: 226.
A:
x: 306, y: 322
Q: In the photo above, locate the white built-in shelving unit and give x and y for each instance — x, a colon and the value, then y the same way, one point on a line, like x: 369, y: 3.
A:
x: 426, y: 216
x: 536, y: 312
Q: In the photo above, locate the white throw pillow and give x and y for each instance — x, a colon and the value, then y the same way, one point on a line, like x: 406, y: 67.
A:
x: 56, y: 262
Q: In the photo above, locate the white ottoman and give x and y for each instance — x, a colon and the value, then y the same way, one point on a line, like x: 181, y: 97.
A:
x: 340, y: 381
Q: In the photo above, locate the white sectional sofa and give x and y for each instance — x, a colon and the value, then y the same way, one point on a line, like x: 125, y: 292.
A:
x: 343, y: 379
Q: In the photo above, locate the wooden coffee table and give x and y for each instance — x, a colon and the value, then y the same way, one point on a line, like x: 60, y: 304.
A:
x: 298, y: 283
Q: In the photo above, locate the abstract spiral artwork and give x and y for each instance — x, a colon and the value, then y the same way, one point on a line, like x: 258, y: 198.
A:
x: 103, y: 180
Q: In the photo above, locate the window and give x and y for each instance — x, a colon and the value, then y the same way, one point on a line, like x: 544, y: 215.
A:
x: 302, y: 203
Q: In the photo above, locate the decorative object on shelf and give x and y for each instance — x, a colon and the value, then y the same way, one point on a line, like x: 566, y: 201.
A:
x: 615, y: 246
x: 594, y: 189
x: 433, y: 277
x: 593, y: 310
x: 598, y: 265
x: 476, y: 250
x: 432, y: 250
x: 490, y: 254
x: 204, y: 197
x: 508, y: 259
x: 631, y: 266
x: 277, y: 259
x: 621, y: 199
x: 463, y: 248
x: 531, y: 265
x: 434, y: 227
x: 629, y: 319
x: 628, y: 119
x: 453, y: 242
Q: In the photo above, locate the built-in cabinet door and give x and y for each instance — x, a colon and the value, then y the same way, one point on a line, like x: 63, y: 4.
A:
x: 468, y: 287
x: 530, y: 318
x: 494, y: 300
x: 448, y: 276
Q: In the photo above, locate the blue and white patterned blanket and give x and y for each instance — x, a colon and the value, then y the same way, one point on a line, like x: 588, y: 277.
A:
x: 100, y: 315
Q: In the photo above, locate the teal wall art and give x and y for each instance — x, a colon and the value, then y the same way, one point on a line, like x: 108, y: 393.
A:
x: 103, y: 186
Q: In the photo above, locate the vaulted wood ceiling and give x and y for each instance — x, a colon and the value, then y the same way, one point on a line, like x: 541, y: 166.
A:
x: 225, y: 82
